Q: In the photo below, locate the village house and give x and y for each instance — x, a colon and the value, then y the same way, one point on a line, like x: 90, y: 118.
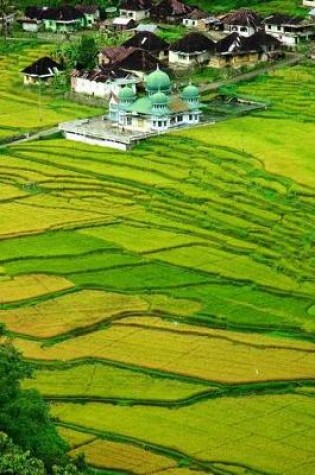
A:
x: 41, y: 71
x: 170, y: 11
x: 122, y: 24
x: 235, y: 50
x: 134, y: 60
x: 291, y: 31
x: 62, y: 19
x: 193, y: 49
x: 243, y: 21
x: 102, y: 82
x: 150, y: 42
x: 159, y: 110
x: 309, y: 3
x: 91, y: 14
x: 136, y: 9
x: 197, y: 19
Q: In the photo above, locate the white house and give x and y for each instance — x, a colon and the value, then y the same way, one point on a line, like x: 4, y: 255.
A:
x: 100, y: 83
x: 135, y: 9
x: 309, y: 3
x: 244, y: 22
x: 192, y: 49
x: 42, y: 70
x: 197, y: 20
x: 291, y: 31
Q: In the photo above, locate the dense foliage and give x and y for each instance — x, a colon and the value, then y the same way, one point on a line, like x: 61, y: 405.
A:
x: 37, y: 447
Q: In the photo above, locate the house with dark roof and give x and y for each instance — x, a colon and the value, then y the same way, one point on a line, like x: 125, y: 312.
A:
x: 170, y: 11
x: 193, y: 49
x: 235, y: 50
x: 102, y: 82
x: 135, y: 9
x: 134, y: 60
x: 55, y: 19
x: 149, y: 42
x: 42, y: 70
x: 243, y: 21
x: 197, y: 19
x: 290, y: 30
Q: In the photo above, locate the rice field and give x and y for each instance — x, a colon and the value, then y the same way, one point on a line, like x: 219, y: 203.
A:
x: 165, y: 296
x: 25, y: 109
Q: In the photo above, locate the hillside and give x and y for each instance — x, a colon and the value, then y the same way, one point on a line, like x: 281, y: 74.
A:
x: 165, y: 296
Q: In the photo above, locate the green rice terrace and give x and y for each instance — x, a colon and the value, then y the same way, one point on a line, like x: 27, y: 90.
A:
x: 165, y: 296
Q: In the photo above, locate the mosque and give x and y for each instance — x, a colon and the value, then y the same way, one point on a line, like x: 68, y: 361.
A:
x: 158, y: 110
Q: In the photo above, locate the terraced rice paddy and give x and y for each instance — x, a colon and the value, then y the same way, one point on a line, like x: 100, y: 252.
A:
x: 166, y: 295
x: 26, y: 109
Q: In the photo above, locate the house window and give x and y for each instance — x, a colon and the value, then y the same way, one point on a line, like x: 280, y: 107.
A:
x: 129, y: 121
x: 165, y: 123
x: 191, y: 117
x: 269, y: 27
x: 179, y: 118
x: 279, y: 28
x: 160, y: 123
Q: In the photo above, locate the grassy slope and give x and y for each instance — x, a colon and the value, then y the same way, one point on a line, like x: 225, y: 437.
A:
x: 187, y: 233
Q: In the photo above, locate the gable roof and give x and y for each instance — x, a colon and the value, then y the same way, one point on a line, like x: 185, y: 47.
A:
x: 101, y: 75
x: 193, y: 42
x: 43, y: 67
x: 242, y: 17
x: 148, y: 41
x: 135, y: 5
x: 171, y: 8
x: 63, y: 13
x: 281, y: 19
x: 197, y: 14
x: 137, y: 59
x: 237, y: 44
x: 123, y: 21
x: 260, y: 40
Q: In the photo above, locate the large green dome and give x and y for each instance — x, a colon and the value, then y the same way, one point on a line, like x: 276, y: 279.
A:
x: 190, y: 93
x: 126, y: 94
x: 158, y: 81
x: 159, y: 99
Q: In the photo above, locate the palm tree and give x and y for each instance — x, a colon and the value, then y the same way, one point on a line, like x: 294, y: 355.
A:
x: 6, y: 12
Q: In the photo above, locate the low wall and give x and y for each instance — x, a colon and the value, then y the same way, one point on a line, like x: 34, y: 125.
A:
x: 96, y: 141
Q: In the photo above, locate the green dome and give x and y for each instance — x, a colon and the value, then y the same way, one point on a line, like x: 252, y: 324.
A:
x: 191, y: 92
x: 159, y: 99
x: 126, y: 94
x: 158, y: 81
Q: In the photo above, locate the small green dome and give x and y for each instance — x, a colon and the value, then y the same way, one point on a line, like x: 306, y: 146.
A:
x: 158, y: 81
x: 159, y: 99
x: 126, y: 94
x: 191, y: 92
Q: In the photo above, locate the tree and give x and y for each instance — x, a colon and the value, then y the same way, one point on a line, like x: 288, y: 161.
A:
x: 6, y: 10
x: 14, y: 461
x: 24, y: 415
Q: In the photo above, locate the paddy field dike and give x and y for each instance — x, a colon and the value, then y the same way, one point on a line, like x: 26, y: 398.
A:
x: 165, y: 296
